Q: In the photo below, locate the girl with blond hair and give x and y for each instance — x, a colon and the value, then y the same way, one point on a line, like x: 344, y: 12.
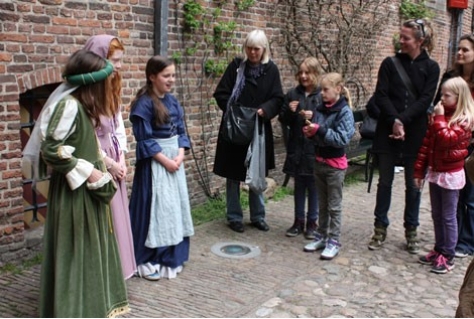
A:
x: 331, y: 130
x: 440, y: 161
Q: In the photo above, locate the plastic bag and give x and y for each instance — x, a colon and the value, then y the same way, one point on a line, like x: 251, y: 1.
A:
x: 255, y: 160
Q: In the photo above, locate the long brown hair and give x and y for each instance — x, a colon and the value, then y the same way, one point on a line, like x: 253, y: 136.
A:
x: 154, y: 66
x: 116, y: 93
x: 458, y: 68
x: 93, y: 97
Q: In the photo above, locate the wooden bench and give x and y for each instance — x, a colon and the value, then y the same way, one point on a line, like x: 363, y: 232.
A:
x: 354, y: 152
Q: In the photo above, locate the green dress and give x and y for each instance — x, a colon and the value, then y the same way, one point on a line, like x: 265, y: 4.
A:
x: 81, y: 274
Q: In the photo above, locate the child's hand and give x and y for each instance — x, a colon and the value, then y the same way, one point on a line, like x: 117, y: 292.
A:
x: 310, y: 130
x: 419, y: 183
x: 294, y: 105
x: 308, y: 115
x: 438, y: 109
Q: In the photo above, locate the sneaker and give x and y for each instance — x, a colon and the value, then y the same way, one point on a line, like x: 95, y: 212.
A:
x: 380, y: 233
x: 398, y: 169
x: 460, y: 254
x: 318, y: 243
x: 429, y: 258
x: 296, y: 229
x: 311, y: 226
x: 442, y: 265
x: 331, y: 250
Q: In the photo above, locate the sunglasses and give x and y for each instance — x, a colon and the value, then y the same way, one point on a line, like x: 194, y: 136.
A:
x: 421, y: 23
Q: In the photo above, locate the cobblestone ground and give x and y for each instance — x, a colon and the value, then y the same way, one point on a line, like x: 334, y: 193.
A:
x: 283, y: 281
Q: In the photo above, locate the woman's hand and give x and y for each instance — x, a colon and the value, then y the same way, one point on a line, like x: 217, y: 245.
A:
x: 95, y: 176
x: 398, y: 131
x: 116, y: 169
x: 261, y: 112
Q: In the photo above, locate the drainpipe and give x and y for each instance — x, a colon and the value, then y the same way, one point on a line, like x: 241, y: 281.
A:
x: 456, y: 30
x: 161, y: 27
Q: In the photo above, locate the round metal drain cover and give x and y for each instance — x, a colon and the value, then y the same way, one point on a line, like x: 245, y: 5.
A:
x: 235, y: 250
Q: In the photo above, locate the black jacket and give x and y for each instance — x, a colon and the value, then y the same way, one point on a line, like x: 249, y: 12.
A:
x: 263, y: 92
x: 300, y: 153
x: 394, y: 102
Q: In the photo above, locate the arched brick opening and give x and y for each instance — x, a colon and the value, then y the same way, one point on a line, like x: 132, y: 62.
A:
x: 35, y: 89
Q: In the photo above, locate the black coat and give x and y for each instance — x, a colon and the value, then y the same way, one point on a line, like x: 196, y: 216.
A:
x: 300, y: 153
x: 394, y: 102
x: 263, y: 92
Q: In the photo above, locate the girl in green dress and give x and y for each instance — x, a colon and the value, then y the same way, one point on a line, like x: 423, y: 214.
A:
x: 81, y: 271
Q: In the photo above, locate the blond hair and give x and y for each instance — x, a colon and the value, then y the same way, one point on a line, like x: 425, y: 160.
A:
x: 314, y: 68
x: 257, y: 38
x: 464, y: 113
x: 335, y: 80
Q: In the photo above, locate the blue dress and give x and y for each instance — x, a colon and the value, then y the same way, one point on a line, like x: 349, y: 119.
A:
x: 147, y: 135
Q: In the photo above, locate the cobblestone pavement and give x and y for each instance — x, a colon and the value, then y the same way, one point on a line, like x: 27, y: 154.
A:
x: 283, y: 281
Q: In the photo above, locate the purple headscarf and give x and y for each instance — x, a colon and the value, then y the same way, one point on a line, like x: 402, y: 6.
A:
x: 99, y: 44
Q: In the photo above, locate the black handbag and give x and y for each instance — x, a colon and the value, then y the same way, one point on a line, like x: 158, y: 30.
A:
x: 239, y: 124
x: 369, y: 123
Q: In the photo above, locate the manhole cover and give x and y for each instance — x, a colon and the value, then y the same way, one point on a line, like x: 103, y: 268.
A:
x: 235, y: 250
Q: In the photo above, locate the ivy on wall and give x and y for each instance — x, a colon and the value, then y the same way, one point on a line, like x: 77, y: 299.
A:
x: 207, y: 43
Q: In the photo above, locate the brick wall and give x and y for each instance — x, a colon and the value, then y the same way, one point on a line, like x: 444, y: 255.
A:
x: 37, y: 36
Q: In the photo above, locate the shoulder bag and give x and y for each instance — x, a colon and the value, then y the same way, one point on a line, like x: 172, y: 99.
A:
x: 369, y: 123
x: 239, y: 121
x: 239, y: 124
x: 404, y: 76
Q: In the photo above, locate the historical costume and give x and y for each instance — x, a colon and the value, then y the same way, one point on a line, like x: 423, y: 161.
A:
x: 159, y: 205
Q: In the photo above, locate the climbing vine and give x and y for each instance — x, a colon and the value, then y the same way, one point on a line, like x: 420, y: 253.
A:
x: 207, y: 43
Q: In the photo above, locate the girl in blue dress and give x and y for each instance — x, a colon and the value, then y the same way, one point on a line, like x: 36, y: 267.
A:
x: 159, y: 204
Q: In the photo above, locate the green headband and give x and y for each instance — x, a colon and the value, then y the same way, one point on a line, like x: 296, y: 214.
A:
x: 91, y: 77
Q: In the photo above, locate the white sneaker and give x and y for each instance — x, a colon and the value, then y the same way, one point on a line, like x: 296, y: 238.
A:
x: 331, y: 250
x: 460, y: 254
x: 318, y: 243
x: 398, y: 169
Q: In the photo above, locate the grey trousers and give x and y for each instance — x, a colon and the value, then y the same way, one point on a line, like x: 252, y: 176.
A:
x: 329, y: 183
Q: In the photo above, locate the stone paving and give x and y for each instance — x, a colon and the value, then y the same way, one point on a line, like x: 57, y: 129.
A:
x: 283, y: 281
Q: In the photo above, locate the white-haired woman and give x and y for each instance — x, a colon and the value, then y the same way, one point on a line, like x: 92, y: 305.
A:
x: 259, y: 87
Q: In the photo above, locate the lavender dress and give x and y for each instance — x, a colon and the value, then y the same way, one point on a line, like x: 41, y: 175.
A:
x: 107, y: 135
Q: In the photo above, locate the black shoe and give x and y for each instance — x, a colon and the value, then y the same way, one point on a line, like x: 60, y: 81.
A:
x: 261, y: 225
x: 236, y: 226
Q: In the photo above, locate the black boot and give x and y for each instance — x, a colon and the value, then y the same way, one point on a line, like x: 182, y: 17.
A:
x: 311, y: 226
x: 296, y: 229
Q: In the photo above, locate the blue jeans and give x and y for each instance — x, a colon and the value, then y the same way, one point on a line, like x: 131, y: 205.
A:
x: 234, y: 209
x: 386, y: 164
x: 303, y: 183
x: 443, y: 211
x: 465, y: 217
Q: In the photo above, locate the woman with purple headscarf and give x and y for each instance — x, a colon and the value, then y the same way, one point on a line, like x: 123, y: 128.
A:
x: 113, y: 142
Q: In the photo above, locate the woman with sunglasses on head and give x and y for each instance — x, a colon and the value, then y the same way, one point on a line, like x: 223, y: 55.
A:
x: 402, y: 125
